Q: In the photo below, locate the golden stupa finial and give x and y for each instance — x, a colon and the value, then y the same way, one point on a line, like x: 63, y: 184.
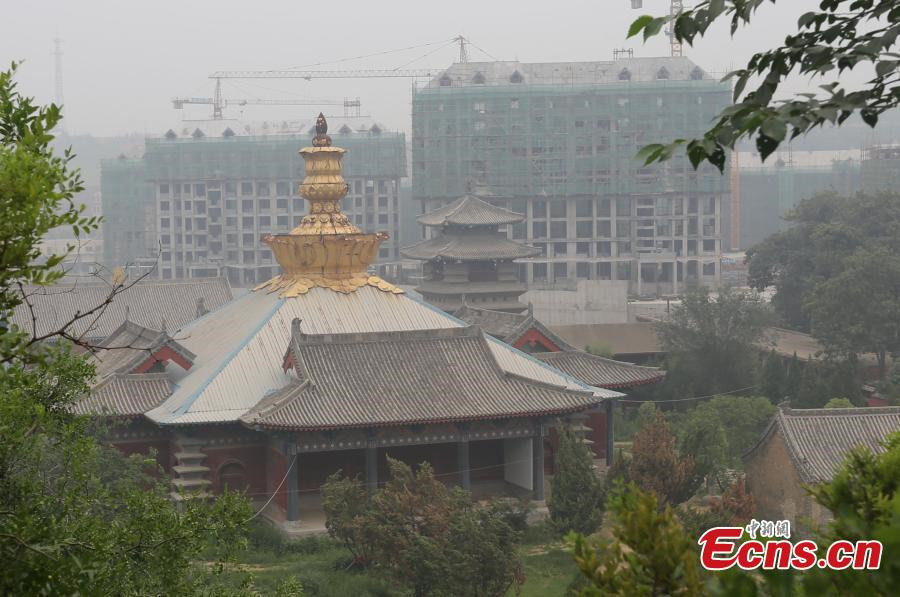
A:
x: 325, y: 250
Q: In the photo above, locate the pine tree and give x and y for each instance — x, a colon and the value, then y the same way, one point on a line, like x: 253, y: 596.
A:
x: 774, y: 378
x: 813, y: 392
x: 575, y: 492
x: 794, y: 379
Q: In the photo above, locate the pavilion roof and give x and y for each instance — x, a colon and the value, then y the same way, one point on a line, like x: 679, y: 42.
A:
x: 469, y: 247
x: 405, y: 378
x: 470, y: 210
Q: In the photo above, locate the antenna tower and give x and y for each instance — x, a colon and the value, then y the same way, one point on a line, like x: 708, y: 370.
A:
x: 463, y: 51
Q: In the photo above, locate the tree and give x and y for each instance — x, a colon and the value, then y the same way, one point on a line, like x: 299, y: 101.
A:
x: 575, y: 493
x: 649, y: 554
x: 429, y: 539
x: 656, y: 465
x: 838, y: 37
x: 836, y: 273
x: 858, y: 310
x: 716, y: 432
x: 37, y: 194
x: 711, y: 342
x: 774, y: 378
x: 77, y: 516
x: 813, y: 392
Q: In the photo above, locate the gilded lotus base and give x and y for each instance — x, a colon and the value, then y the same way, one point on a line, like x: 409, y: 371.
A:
x: 292, y: 285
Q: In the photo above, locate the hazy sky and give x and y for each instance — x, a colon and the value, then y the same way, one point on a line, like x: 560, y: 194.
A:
x: 124, y: 61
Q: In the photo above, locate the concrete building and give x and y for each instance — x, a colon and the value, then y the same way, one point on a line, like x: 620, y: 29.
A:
x: 216, y: 186
x: 769, y: 193
x: 557, y: 142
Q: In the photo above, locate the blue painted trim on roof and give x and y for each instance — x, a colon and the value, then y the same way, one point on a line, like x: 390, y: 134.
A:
x: 193, y: 397
x: 490, y: 338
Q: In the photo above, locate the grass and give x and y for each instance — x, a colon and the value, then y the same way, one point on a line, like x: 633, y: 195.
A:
x: 320, y: 565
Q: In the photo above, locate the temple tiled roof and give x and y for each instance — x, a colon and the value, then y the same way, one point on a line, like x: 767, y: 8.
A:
x: 469, y: 247
x: 148, y: 303
x: 601, y: 372
x: 125, y: 395
x: 403, y: 378
x: 130, y: 346
x: 470, y: 211
x: 508, y: 327
x: 240, y: 348
x: 820, y: 439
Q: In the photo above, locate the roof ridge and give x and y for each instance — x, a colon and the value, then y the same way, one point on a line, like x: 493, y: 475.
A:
x: 468, y: 331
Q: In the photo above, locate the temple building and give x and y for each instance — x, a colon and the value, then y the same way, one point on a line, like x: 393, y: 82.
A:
x: 468, y: 260
x: 325, y: 368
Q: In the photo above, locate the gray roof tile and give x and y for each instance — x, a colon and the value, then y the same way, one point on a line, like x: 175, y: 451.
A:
x: 469, y: 247
x: 470, y: 211
x: 125, y: 395
x: 403, y: 378
x: 147, y: 303
x: 819, y: 440
x: 599, y: 371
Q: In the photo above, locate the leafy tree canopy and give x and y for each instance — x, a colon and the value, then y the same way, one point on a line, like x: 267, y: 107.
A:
x: 710, y: 342
x: 837, y: 272
x: 576, y: 493
x: 838, y: 37
x: 37, y: 191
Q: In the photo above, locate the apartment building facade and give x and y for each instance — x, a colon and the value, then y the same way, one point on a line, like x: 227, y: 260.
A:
x: 215, y: 193
x: 557, y: 142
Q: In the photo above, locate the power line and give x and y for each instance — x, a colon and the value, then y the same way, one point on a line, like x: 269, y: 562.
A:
x: 691, y: 398
x: 277, y: 489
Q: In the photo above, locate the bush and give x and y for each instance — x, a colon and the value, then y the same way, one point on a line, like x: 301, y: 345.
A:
x: 262, y: 536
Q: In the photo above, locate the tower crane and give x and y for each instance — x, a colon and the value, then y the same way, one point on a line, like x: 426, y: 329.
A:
x: 219, y: 102
x: 403, y: 73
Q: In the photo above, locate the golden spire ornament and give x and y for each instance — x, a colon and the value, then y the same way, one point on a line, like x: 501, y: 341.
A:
x: 325, y: 250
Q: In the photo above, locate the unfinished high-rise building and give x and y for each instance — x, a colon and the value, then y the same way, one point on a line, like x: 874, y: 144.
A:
x: 557, y: 142
x: 215, y: 190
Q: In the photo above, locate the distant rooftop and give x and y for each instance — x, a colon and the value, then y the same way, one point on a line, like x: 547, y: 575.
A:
x: 473, y: 74
x: 197, y: 130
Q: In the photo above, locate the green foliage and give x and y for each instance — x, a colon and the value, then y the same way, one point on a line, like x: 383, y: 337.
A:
x: 774, y: 378
x: 78, y: 517
x: 838, y: 403
x: 346, y: 503
x: 837, y: 273
x: 657, y: 467
x: 741, y: 420
x: 601, y: 350
x: 429, y: 539
x: 575, y: 493
x: 650, y: 554
x: 37, y: 190
x: 838, y: 37
x: 711, y: 342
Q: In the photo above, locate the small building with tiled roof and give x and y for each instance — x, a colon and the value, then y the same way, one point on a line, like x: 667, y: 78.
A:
x: 804, y: 447
x: 468, y: 259
x: 324, y: 368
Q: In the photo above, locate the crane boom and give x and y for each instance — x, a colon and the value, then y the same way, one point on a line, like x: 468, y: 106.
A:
x: 179, y: 102
x: 326, y: 74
